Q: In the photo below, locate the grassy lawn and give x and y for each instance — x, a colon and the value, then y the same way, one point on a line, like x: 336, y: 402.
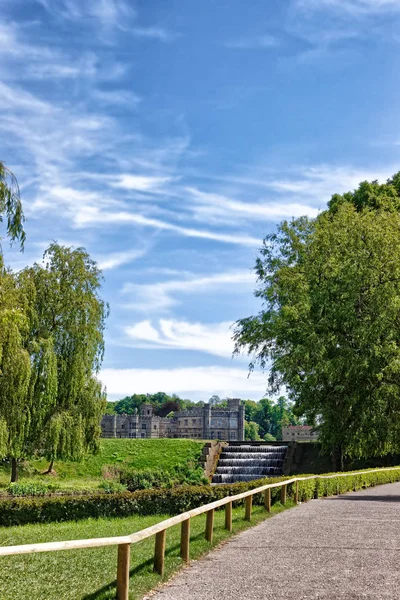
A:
x: 136, y: 453
x: 90, y: 574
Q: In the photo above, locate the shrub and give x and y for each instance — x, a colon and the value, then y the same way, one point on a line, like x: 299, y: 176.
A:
x: 30, y: 489
x: 20, y: 511
x: 145, y: 479
x: 112, y: 487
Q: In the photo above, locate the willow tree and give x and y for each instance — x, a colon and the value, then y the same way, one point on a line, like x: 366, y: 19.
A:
x: 15, y: 370
x: 329, y: 326
x: 10, y: 205
x: 69, y: 324
x: 14, y: 327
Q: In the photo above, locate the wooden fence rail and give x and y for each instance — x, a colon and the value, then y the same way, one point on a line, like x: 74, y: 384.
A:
x: 159, y: 530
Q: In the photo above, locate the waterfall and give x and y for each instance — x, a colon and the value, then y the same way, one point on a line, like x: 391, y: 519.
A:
x: 247, y: 462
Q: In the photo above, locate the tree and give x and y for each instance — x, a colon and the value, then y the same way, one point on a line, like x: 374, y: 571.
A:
x: 15, y: 370
x: 329, y: 325
x: 66, y: 345
x: 10, y: 205
x: 251, y: 431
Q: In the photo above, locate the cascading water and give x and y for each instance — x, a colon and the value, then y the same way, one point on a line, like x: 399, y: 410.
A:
x: 247, y: 462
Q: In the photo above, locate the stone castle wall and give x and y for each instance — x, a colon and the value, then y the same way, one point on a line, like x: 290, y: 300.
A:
x: 202, y: 423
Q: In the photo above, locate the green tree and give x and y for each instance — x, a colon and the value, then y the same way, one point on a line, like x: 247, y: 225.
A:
x: 15, y: 370
x: 66, y: 334
x: 329, y: 325
x: 10, y: 205
x: 251, y: 431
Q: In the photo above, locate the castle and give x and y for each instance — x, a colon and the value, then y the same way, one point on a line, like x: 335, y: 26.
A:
x: 207, y: 423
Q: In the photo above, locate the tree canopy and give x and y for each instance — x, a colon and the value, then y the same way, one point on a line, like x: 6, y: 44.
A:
x: 329, y: 327
x: 51, y: 347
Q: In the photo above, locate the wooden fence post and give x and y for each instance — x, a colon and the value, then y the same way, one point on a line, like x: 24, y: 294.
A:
x: 296, y: 494
x: 124, y: 554
x: 159, y: 552
x: 267, y: 500
x: 283, y: 494
x: 185, y: 540
x: 228, y: 516
x: 249, y: 505
x: 210, y: 525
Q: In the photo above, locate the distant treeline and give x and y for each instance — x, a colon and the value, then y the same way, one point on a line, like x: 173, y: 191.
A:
x: 264, y: 419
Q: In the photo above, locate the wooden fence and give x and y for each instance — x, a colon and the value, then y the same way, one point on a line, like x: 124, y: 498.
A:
x: 160, y: 529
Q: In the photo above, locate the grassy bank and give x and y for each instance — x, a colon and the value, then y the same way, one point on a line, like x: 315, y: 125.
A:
x: 163, y: 454
x: 90, y: 574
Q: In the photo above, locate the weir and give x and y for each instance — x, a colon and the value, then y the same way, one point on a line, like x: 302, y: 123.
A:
x: 247, y: 462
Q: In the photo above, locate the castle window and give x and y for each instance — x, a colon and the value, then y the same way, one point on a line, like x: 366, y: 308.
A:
x: 143, y: 425
x: 148, y: 412
x: 155, y: 426
x: 186, y: 421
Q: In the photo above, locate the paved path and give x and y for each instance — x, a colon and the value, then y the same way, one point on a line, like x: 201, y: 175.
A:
x: 344, y: 547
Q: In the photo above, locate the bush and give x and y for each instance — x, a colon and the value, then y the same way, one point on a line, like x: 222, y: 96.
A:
x: 112, y: 487
x: 145, y: 479
x: 30, y: 489
x: 20, y: 511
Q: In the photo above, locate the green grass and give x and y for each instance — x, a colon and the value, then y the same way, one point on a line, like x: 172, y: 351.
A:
x: 135, y: 453
x: 90, y: 574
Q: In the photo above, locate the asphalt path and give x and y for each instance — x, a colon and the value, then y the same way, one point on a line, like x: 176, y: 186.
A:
x: 345, y: 547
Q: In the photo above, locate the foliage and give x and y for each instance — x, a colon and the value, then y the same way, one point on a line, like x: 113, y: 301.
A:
x: 10, y: 206
x: 329, y: 326
x: 162, y: 404
x: 251, y: 431
x: 112, y: 487
x: 51, y: 345
x: 270, y: 417
x: 158, y: 478
x: 68, y: 330
x: 31, y: 489
x: 20, y: 511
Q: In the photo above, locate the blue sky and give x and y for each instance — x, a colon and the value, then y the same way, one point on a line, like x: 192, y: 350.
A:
x: 169, y: 136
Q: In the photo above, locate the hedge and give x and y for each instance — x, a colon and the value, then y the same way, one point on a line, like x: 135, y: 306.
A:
x: 20, y: 511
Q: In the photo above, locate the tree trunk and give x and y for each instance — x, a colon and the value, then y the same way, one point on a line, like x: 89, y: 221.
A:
x: 51, y: 465
x: 14, y: 470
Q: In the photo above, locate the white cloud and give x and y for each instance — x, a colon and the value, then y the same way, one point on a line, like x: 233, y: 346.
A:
x: 353, y: 7
x: 94, y: 216
x: 213, y: 338
x: 200, y: 383
x: 119, y: 97
x: 141, y: 182
x: 107, y: 13
x: 218, y: 208
x: 117, y: 259
x: 161, y: 296
x: 257, y: 41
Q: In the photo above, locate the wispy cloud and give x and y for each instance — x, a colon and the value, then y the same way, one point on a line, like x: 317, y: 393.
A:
x: 254, y: 42
x: 215, y: 208
x: 200, y: 382
x: 117, y: 97
x: 106, y: 12
x: 94, y: 216
x: 162, y: 296
x: 117, y: 259
x: 154, y: 33
x: 141, y: 183
x: 213, y: 338
x: 353, y: 7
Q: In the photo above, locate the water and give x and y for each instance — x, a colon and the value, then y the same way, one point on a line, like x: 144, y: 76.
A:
x: 246, y: 462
